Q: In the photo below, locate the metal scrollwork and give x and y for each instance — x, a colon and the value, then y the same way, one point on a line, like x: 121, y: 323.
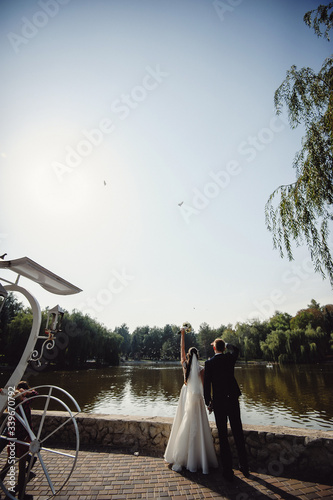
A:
x: 53, y: 326
x: 49, y: 344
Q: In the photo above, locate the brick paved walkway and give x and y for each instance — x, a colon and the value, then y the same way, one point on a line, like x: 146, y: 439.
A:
x: 104, y: 475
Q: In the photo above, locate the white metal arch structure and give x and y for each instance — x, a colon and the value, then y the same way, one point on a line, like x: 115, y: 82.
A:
x: 23, y: 363
x: 50, y: 282
x: 54, y: 284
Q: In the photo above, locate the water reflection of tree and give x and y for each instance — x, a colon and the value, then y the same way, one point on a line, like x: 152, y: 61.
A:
x: 296, y: 388
x: 156, y: 382
x: 89, y: 387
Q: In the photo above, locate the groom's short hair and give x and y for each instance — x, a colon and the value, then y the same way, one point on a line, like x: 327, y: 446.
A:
x: 219, y: 345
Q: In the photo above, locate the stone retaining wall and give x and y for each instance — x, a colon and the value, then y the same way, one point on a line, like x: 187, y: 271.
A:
x: 280, y: 451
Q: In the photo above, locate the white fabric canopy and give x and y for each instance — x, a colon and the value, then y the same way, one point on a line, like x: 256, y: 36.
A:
x: 45, y: 278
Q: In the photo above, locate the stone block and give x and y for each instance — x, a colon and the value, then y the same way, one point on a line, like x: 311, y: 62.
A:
x: 312, y: 441
x: 270, y: 437
x: 253, y: 443
x: 262, y: 437
x: 262, y: 454
x: 274, y: 447
x: 254, y: 452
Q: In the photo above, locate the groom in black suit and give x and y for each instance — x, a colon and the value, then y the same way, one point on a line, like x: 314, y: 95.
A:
x: 221, y: 393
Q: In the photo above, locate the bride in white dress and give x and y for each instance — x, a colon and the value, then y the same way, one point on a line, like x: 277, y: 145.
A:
x: 191, y: 443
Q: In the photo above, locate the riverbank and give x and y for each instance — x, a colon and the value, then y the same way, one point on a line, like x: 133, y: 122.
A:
x: 91, y: 365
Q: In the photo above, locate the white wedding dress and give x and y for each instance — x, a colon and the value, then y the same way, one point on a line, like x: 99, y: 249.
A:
x: 191, y: 443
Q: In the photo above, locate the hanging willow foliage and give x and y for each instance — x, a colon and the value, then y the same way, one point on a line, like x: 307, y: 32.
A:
x: 302, y: 211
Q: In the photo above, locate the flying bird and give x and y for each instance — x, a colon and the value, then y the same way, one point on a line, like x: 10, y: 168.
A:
x: 104, y: 183
x: 180, y: 204
x: 3, y: 256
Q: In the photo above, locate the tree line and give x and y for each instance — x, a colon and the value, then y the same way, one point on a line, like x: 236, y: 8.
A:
x: 306, y: 337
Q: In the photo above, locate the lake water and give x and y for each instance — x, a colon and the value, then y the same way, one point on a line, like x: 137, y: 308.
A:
x: 294, y: 396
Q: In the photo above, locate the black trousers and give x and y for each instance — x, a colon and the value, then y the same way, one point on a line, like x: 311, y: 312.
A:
x: 229, y: 408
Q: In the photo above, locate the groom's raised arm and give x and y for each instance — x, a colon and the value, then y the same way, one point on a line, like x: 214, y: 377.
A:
x: 233, y: 350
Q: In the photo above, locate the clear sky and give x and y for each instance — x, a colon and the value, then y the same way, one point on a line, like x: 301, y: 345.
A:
x: 113, y: 112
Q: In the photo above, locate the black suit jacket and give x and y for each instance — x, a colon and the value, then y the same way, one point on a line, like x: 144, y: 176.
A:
x: 219, y: 381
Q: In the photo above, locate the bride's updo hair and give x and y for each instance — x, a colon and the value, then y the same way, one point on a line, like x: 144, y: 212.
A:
x: 193, y: 351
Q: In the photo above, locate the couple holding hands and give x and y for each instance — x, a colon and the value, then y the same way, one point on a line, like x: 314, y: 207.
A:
x: 190, y: 443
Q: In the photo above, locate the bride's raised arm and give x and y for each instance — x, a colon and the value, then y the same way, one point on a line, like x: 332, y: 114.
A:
x: 182, y: 346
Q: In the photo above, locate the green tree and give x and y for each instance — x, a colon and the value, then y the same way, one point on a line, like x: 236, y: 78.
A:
x: 328, y: 318
x: 274, y: 345
x: 323, y: 15
x: 18, y: 333
x: 171, y: 348
x: 137, y: 343
x: 280, y: 321
x: 220, y: 331
x: 258, y: 332
x: 230, y: 336
x: 243, y: 332
x: 302, y: 211
x: 169, y: 342
x: 11, y: 307
x: 168, y: 333
x: 123, y: 330
x: 295, y: 345
x: 249, y: 337
x: 318, y: 344
x: 206, y: 336
x: 84, y: 339
x: 314, y: 304
x: 111, y: 348
x: 152, y: 343
x: 249, y: 349
x: 81, y: 347
x: 310, y: 316
x: 191, y: 340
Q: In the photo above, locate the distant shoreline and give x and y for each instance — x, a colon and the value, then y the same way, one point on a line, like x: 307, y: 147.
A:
x: 177, y: 362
